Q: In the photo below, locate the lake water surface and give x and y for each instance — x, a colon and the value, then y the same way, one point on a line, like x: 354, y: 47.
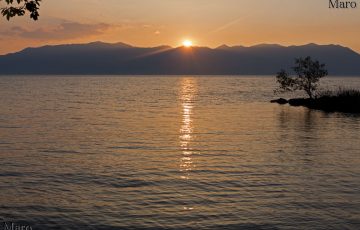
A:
x: 179, y: 152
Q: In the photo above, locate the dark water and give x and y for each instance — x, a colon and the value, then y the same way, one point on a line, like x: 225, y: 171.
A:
x: 173, y: 153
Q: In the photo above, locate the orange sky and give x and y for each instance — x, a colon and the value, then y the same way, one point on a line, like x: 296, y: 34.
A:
x: 168, y: 22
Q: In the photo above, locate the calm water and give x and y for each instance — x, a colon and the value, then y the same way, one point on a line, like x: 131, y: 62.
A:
x: 174, y: 153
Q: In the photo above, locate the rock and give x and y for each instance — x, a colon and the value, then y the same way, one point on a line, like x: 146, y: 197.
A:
x: 300, y: 102
x: 280, y: 101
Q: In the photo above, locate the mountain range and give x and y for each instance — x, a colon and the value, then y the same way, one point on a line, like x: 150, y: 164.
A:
x: 123, y: 59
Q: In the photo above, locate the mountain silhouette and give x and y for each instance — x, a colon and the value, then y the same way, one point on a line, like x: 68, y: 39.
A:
x: 119, y: 58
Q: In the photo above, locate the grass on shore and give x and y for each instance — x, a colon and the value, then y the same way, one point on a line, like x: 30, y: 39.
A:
x: 341, y: 100
x: 340, y: 93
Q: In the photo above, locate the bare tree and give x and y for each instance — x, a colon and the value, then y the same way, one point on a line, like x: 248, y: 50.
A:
x: 308, y: 75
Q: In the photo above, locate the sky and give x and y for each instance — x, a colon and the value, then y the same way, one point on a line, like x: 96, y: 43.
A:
x: 211, y: 23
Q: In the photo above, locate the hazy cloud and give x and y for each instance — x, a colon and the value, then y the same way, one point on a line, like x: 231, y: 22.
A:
x: 65, y: 30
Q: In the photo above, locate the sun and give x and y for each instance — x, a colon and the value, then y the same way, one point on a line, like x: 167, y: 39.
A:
x: 187, y: 43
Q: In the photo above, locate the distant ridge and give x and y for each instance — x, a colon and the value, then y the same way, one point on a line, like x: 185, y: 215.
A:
x: 120, y: 58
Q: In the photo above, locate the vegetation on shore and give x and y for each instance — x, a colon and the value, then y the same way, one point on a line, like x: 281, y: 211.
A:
x: 342, y: 100
x: 307, y: 79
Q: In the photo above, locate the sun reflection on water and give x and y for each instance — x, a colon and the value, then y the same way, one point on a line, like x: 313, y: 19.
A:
x: 187, y: 97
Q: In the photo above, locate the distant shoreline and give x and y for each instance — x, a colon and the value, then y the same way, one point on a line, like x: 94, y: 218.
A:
x: 122, y: 59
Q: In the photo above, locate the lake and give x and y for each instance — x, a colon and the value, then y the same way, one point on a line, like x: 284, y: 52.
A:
x: 173, y: 152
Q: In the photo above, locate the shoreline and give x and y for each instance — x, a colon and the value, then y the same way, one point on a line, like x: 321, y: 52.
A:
x: 326, y: 103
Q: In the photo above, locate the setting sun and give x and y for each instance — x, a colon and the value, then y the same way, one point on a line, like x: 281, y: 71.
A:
x: 187, y: 43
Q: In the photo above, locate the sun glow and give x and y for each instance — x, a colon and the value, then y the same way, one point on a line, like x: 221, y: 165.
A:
x: 187, y: 43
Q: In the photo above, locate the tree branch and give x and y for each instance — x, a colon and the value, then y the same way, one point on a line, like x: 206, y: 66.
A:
x: 20, y: 7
